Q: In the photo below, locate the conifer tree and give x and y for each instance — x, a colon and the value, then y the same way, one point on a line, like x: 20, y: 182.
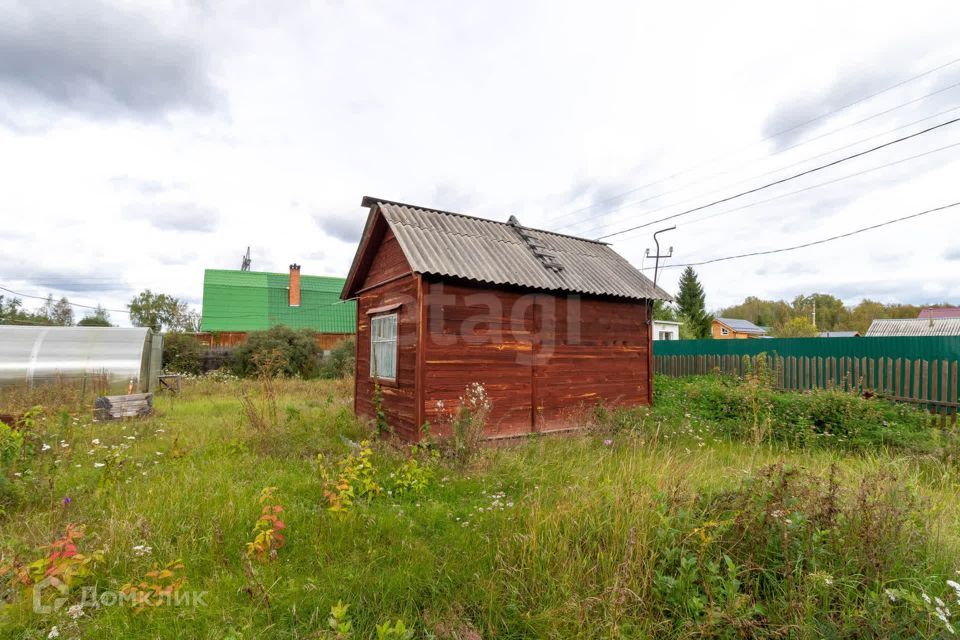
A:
x: 691, y: 305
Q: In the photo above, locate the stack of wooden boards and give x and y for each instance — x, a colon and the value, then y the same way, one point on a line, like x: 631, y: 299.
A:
x: 130, y: 406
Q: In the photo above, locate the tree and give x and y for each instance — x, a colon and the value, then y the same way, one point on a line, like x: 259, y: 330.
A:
x: 860, y: 317
x: 182, y: 353
x: 691, y: 305
x: 99, y: 318
x: 798, y: 327
x: 663, y: 311
x: 59, y: 312
x: 12, y: 312
x: 830, y: 310
x: 764, y: 313
x: 161, y: 312
x: 291, y: 352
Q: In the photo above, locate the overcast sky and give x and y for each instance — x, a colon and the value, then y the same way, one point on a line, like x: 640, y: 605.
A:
x: 142, y: 143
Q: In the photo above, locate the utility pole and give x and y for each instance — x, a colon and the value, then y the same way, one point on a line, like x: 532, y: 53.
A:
x: 656, y: 264
x: 245, y: 264
x: 814, y: 313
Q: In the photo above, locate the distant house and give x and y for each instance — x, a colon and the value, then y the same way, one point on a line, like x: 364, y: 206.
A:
x: 914, y: 327
x: 939, y: 313
x: 666, y: 330
x: 838, y: 334
x: 238, y: 302
x: 734, y: 328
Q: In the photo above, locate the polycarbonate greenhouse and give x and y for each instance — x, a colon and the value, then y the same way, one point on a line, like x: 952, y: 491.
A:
x: 125, y: 357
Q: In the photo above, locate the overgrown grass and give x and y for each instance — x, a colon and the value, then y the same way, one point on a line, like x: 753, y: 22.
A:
x: 725, y: 511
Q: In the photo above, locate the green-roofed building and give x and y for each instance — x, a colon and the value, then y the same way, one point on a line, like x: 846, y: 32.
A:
x: 237, y: 302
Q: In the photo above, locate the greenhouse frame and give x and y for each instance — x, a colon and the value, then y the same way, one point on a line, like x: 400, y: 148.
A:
x: 129, y: 359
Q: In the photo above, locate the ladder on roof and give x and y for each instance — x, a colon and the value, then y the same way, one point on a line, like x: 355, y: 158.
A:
x: 549, y: 260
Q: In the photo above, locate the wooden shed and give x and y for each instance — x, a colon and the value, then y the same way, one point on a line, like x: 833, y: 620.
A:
x: 550, y: 324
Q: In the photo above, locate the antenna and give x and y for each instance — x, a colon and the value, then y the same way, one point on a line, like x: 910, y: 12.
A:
x: 656, y: 266
x: 245, y: 265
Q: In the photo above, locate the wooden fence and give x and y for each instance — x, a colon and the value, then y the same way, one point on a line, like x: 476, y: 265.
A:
x: 929, y: 384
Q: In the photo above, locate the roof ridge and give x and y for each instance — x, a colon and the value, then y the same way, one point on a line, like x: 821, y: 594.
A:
x: 274, y: 273
x: 517, y: 241
x: 369, y: 201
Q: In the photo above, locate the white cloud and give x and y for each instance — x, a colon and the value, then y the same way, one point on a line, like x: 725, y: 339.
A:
x: 229, y: 126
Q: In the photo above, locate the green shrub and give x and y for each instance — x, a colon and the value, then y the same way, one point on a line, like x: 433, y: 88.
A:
x: 341, y: 361
x: 785, y: 551
x: 828, y: 417
x: 11, y: 441
x: 296, y: 352
x: 182, y: 353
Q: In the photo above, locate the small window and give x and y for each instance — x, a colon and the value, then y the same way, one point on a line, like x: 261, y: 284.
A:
x: 724, y: 331
x: 383, y: 346
x: 666, y: 335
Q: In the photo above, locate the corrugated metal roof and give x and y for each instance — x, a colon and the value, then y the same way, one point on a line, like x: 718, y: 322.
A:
x: 455, y: 245
x: 838, y: 334
x: 741, y: 326
x: 256, y: 300
x: 915, y: 327
x: 940, y: 312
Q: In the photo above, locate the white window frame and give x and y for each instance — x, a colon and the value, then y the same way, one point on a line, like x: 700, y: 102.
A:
x: 374, y: 365
x: 666, y: 335
x: 724, y: 331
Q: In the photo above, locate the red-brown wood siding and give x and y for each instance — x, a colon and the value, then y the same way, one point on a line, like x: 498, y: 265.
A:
x: 388, y: 262
x: 603, y: 358
x: 390, y: 268
x: 459, y: 350
x: 551, y: 359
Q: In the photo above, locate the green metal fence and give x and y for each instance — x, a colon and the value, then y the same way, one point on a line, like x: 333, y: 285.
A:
x: 914, y: 347
x: 917, y: 370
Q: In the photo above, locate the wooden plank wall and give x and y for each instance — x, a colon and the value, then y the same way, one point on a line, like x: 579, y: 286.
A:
x: 541, y: 367
x: 606, y: 360
x: 468, y: 341
x: 929, y: 384
x: 389, y: 281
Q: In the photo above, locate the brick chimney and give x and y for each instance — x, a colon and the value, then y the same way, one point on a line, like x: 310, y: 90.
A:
x: 294, y: 285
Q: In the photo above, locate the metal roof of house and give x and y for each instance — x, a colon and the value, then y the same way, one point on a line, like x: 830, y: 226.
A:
x: 915, y: 327
x: 455, y: 245
x: 940, y: 312
x: 256, y: 301
x: 741, y: 326
x: 838, y: 334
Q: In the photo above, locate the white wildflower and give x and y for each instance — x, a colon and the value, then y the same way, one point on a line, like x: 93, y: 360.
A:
x: 47, y: 447
x: 54, y: 632
x: 75, y: 611
x: 97, y: 465
x: 95, y: 441
x: 141, y: 550
x: 891, y: 594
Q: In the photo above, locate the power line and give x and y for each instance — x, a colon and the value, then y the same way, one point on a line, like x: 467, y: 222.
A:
x: 604, y: 225
x: 815, y: 242
x: 72, y: 304
x: 787, y: 179
x: 820, y: 184
x: 788, y: 130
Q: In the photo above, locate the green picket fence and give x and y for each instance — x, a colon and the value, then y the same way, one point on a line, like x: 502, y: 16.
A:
x: 916, y: 370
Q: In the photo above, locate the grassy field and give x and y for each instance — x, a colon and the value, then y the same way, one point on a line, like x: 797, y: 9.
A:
x: 728, y: 510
